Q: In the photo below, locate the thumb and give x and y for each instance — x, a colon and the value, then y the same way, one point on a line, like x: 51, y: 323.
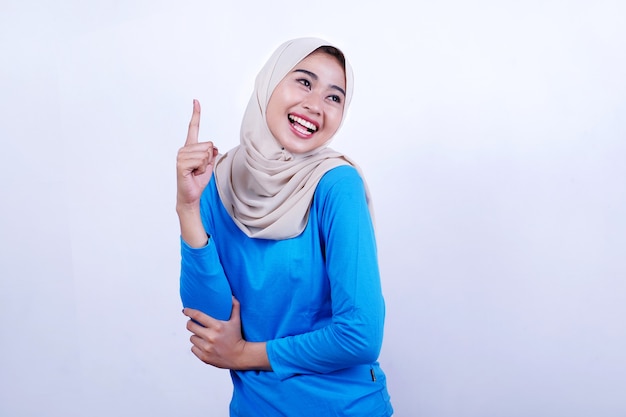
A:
x: 236, y: 312
x: 194, y: 124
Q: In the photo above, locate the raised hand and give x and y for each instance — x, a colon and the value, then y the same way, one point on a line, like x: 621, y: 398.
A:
x: 194, y: 165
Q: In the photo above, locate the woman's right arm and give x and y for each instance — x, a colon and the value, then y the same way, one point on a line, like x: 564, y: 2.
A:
x: 203, y: 283
x: 194, y: 167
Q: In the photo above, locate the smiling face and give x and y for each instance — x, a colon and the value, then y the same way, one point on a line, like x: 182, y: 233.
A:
x: 306, y: 107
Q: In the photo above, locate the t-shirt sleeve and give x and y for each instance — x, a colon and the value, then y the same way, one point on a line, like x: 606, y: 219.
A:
x: 354, y: 335
x: 203, y: 283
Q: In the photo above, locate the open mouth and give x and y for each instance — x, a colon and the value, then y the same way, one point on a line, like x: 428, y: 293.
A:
x: 301, y: 125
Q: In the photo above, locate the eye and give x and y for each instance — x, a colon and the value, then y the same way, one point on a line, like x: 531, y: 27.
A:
x: 304, y: 82
x: 335, y: 98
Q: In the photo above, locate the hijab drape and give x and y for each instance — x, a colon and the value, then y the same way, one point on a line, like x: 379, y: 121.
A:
x: 266, y: 189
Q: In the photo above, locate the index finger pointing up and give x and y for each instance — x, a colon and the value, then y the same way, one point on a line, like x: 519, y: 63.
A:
x: 194, y: 124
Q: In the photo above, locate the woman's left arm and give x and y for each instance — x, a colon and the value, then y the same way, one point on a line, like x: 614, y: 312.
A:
x: 355, y: 334
x: 221, y: 343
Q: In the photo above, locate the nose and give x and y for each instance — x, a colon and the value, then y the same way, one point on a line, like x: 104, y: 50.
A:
x: 313, y: 102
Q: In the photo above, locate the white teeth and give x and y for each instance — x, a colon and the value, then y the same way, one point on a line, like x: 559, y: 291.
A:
x: 303, y: 122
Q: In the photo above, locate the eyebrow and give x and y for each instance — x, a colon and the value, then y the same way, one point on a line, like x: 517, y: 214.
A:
x: 315, y: 77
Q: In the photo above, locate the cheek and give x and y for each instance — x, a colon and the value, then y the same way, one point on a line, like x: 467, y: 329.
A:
x: 272, y: 120
x: 274, y: 110
x: 334, y: 118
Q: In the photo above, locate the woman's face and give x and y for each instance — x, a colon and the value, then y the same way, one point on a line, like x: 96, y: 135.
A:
x: 306, y: 107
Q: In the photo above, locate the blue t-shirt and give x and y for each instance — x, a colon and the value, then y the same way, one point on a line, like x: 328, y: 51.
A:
x: 315, y: 299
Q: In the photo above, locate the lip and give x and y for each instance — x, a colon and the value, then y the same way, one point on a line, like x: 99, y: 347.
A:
x: 298, y: 133
x: 313, y: 122
x: 306, y: 135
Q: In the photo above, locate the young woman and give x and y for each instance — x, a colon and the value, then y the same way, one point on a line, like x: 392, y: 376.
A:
x: 279, y: 271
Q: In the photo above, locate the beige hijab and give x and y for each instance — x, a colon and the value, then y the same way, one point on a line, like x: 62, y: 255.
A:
x: 267, y: 190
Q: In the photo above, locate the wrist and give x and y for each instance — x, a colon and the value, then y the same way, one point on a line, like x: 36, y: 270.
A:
x: 186, y: 209
x: 191, y: 227
x: 253, y: 356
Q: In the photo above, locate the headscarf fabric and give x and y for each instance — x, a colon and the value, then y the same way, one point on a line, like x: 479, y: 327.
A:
x: 267, y: 190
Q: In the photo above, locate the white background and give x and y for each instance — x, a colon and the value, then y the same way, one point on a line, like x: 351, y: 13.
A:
x: 493, y: 137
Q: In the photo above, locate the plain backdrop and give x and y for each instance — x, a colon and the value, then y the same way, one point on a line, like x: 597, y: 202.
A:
x: 492, y: 135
